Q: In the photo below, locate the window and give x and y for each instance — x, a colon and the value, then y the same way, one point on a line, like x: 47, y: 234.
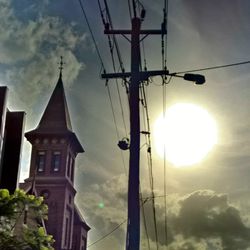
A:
x: 68, y: 228
x: 56, y: 161
x: 40, y: 161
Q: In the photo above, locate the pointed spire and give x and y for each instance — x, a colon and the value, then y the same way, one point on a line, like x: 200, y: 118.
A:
x: 55, y: 119
x: 56, y: 115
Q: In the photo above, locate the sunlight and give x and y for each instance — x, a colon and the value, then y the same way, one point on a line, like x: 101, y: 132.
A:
x: 187, y: 132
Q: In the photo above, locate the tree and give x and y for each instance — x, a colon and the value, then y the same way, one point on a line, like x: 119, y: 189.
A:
x: 21, y: 215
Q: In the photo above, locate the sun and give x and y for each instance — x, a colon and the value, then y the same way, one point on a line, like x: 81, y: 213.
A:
x: 187, y: 132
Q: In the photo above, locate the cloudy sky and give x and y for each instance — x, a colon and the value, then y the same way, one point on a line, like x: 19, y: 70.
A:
x: 208, y: 203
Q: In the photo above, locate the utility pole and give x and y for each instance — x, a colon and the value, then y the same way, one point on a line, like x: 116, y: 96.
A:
x: 136, y: 77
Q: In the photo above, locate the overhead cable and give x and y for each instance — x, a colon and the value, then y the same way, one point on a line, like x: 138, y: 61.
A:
x: 213, y: 67
x: 106, y: 235
x: 150, y: 162
x: 92, y: 34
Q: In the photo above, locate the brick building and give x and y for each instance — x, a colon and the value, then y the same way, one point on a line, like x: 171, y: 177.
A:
x: 11, y: 139
x: 54, y: 150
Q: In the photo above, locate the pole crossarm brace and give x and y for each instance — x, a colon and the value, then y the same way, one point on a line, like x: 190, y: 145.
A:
x: 143, y: 76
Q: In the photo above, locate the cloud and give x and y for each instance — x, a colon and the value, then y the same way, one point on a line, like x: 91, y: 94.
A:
x: 40, y: 75
x: 202, y: 220
x: 181, y: 243
x: 104, y: 208
x: 206, y: 215
x: 30, y: 50
x: 23, y: 40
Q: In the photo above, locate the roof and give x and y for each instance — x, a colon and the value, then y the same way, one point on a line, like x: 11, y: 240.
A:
x: 55, y: 119
x: 56, y: 115
x: 79, y: 219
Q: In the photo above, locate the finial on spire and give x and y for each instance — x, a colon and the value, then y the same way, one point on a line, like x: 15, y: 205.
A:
x: 61, y: 66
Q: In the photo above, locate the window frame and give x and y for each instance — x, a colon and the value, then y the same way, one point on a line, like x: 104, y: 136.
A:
x: 56, y: 160
x: 40, y: 158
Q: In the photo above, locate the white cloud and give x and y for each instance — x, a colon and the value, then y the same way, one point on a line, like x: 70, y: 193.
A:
x: 22, y: 41
x: 31, y: 50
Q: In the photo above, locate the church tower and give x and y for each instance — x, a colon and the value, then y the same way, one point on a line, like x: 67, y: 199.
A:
x: 54, y: 149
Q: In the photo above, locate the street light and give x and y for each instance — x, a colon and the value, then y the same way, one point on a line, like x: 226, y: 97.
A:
x: 198, y: 79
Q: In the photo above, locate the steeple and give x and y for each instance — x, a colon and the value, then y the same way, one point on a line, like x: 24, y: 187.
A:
x: 52, y: 170
x: 56, y: 115
x: 55, y: 119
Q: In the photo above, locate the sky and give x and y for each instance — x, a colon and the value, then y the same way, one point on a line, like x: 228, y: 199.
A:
x: 208, y: 203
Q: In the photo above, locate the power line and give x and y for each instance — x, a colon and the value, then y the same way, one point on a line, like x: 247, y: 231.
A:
x: 92, y: 34
x: 106, y: 235
x: 129, y: 9
x: 144, y: 221
x: 116, y: 126
x: 114, y: 38
x: 164, y: 163
x: 164, y: 65
x: 112, y: 56
x: 113, y: 111
x: 150, y: 162
x: 134, y: 8
x: 214, y: 67
x: 114, y: 229
x: 117, y: 86
x: 118, y: 226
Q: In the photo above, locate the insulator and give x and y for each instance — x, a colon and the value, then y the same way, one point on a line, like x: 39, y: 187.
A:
x: 143, y: 13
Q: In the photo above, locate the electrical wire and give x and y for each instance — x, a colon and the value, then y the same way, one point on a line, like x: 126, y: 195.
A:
x: 117, y: 85
x: 166, y: 11
x: 164, y: 65
x: 150, y: 161
x: 92, y: 34
x: 134, y: 8
x: 114, y: 229
x: 144, y: 220
x: 112, y: 57
x: 214, y: 67
x: 113, y: 110
x: 106, y: 235
x: 129, y: 9
x: 116, y: 126
x: 114, y: 37
x: 164, y: 163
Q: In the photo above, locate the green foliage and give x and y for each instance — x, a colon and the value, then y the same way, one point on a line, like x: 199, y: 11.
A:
x: 14, y: 233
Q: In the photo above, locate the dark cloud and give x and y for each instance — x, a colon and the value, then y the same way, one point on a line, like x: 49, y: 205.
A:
x: 201, y: 220
x: 205, y: 215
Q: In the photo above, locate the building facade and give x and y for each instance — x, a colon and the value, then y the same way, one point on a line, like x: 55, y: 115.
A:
x: 54, y: 150
x: 11, y: 139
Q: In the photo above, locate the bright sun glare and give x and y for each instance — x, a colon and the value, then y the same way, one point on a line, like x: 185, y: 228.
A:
x: 187, y: 132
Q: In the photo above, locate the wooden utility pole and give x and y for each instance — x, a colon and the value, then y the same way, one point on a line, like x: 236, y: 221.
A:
x: 136, y: 77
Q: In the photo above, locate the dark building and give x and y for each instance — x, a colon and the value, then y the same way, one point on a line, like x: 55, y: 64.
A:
x: 54, y: 150
x: 11, y: 138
